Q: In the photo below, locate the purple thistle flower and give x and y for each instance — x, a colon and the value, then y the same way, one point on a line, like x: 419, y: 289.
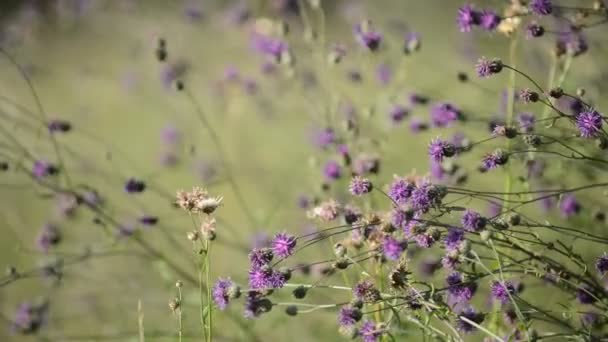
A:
x: 541, y: 7
x: 49, y: 236
x: 367, y: 37
x: 572, y: 42
x: 259, y: 257
x: 425, y: 196
x: 450, y: 262
x: 42, y: 169
x: 256, y: 304
x: 403, y: 220
x: 585, y: 295
x: 534, y: 30
x: 467, y: 18
x: 360, y: 186
x: 283, y: 245
x: 471, y: 315
x: 494, y: 209
x: 384, y: 74
x: 526, y: 95
x: 133, y: 186
x: 502, y: 291
x: 393, y: 248
x: 401, y: 190
x: 398, y: 113
x: 437, y: 171
x: 489, y: 161
x: 366, y: 164
x: 221, y: 292
x: 170, y: 135
x: 569, y: 206
x: 348, y: 316
x: 453, y: 239
x: 438, y: 149
x: 29, y: 318
x: 601, y: 264
x: 268, y: 46
x: 417, y: 125
x: 589, y: 123
x: 526, y: 122
x: 322, y: 138
x: 424, y: 240
x: 366, y: 291
x: 369, y: 332
x: 489, y: 20
x: 444, y: 114
x: 458, y: 290
x: 332, y: 170
x: 472, y: 221
x: 486, y: 68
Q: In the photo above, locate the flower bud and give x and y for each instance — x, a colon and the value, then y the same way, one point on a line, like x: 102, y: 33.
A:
x: 300, y: 292
x: 193, y: 236
x: 339, y: 250
x: 291, y: 310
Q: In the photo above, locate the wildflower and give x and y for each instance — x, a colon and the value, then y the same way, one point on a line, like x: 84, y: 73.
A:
x: 569, y: 206
x: 256, y: 304
x: 259, y: 257
x: 349, y: 315
x: 370, y: 332
x: 326, y: 211
x: 411, y: 42
x: 198, y: 201
x: 526, y: 95
x: 467, y: 17
x: 367, y: 36
x: 323, y: 138
x: 585, y: 295
x: 418, y: 99
x: 541, y: 7
x: 417, y: 125
x: 438, y: 149
x: 360, y: 186
x: 589, y: 123
x: 494, y: 159
x: 332, y: 170
x: 133, y: 186
x: 489, y: 20
x: 269, y: 46
x: 470, y: 315
x: 42, y: 169
x: 453, y: 239
x: 458, y: 289
x: 486, y: 68
x: 29, y: 318
x: 526, y: 122
x: 366, y: 291
x: 223, y: 291
x: 207, y: 229
x: 384, y: 74
x: 427, y: 195
x: 502, y: 291
x: 48, y: 237
x: 393, y: 248
x: 473, y: 221
x: 283, y: 245
x: 401, y: 190
x: 534, y: 30
x: 398, y: 113
x: 601, y: 264
x: 444, y: 114
x: 366, y: 164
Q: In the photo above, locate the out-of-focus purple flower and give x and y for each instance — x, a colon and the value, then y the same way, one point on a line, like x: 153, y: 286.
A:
x: 526, y: 122
x: 437, y: 171
x: 472, y: 221
x: 444, y: 114
x: 366, y: 291
x: 360, y: 186
x: 365, y: 164
x: 428, y: 267
x: 59, y: 126
x: 369, y: 332
x: 569, y: 206
x: 368, y: 37
x: 541, y: 7
x: 43, y: 168
x: 29, y: 318
x: 502, y: 291
x: 49, y: 236
x: 411, y: 42
x: 585, y: 295
x: 601, y: 264
x: 488, y: 67
x: 332, y: 170
x: 168, y: 159
x: 231, y: 74
x: 467, y: 18
x: 172, y: 72
x: 424, y: 240
x: 494, y: 209
x: 170, y: 135
x: 256, y: 304
x: 193, y: 12
x: 148, y: 220
x: 572, y: 42
x: 397, y: 113
x: 251, y: 86
x: 133, y: 186
x: 384, y: 74
x: 268, y: 46
x: 459, y: 291
x: 589, y: 123
x: 489, y: 20
x: 404, y: 220
x: 283, y: 245
x: 526, y: 95
x: 223, y: 291
x: 534, y: 30
x: 454, y: 239
x: 471, y: 315
x: 418, y: 99
x: 324, y: 137
x: 348, y: 316
x: 417, y: 125
x: 493, y: 160
x: 393, y: 248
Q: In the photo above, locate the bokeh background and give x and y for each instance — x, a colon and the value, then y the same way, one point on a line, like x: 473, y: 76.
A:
x: 93, y: 63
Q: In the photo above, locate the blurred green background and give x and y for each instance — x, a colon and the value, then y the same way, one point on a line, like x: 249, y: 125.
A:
x: 92, y: 63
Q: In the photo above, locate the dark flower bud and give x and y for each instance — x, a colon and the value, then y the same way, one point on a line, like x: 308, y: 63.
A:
x: 286, y: 273
x: 300, y: 292
x: 179, y: 85
x: 599, y: 216
x: 501, y: 157
x: 462, y: 76
x: 161, y: 54
x: 556, y: 93
x: 514, y: 219
x: 291, y: 310
x: 341, y: 264
x: 532, y: 140
x: 356, y: 303
x: 3, y: 166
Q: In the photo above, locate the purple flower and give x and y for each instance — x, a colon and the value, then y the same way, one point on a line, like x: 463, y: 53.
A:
x: 438, y: 149
x: 467, y: 17
x: 393, y: 248
x: 534, y: 30
x: 471, y: 315
x: 572, y: 42
x: 367, y: 37
x: 384, y: 74
x: 585, y: 295
x: 526, y: 122
x: 366, y: 291
x: 472, y: 221
x: 502, y: 291
x: 569, y: 206
x: 133, y: 186
x: 459, y: 291
x: 424, y: 240
x: 29, y: 318
x: 256, y: 304
x: 268, y: 46
x: 222, y: 292
x: 265, y: 277
x: 398, y: 113
x: 259, y: 257
x: 404, y: 220
x: 49, y: 236
x: 417, y: 125
x: 444, y: 114
x: 401, y: 190
x: 453, y: 239
x: 494, y: 209
x: 348, y: 316
x: 283, y: 244
x: 486, y: 68
x: 493, y: 160
x: 437, y: 171
x: 322, y: 138
x: 332, y: 170
x: 360, y: 186
x: 418, y: 99
x: 369, y: 332
x: 425, y: 196
x: 489, y: 20
x: 589, y: 123
x: 541, y: 7
x: 601, y: 264
x: 42, y: 169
